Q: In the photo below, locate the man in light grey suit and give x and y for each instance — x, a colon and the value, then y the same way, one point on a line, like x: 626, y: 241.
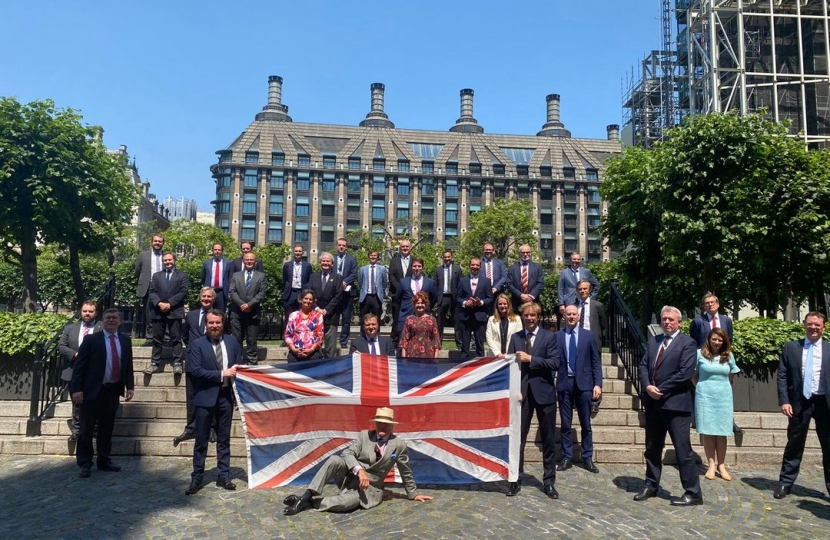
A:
x: 359, y: 472
x: 71, y: 338
x: 568, y: 280
x: 248, y: 289
x: 148, y: 263
x: 372, y: 291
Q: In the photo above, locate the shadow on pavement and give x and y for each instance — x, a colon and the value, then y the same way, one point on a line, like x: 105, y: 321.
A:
x: 821, y: 511
x: 767, y: 484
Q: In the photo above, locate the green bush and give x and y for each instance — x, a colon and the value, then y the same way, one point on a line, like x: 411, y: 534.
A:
x: 760, y: 341
x: 24, y: 332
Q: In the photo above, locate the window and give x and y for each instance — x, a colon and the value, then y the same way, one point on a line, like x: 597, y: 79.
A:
x: 521, y: 170
x: 522, y: 191
x: 328, y: 182
x: 378, y: 185
x: 546, y: 219
x: 302, y: 207
x: 427, y: 187
x: 277, y: 180
x: 545, y: 171
x: 275, y: 232
x: 379, y: 164
x: 498, y: 169
x: 303, y: 160
x: 303, y: 182
x: 224, y: 223
x: 352, y: 225
x: 327, y: 209
x: 428, y: 166
x: 378, y: 209
x: 354, y: 184
x: 427, y: 209
x: 546, y: 194
x: 225, y: 157
x: 452, y: 188
x: 354, y: 163
x: 499, y: 192
x: 451, y: 213
x: 224, y: 207
x: 591, y: 174
x: 249, y: 208
x: 248, y: 233
x: 225, y: 196
x: 223, y: 181
x: 569, y: 172
x: 276, y: 205
x: 327, y: 237
x: 570, y: 246
x: 300, y: 237
x: 250, y: 178
x: 475, y: 208
x: 402, y: 214
x: 277, y: 158
x: 403, y: 165
x: 475, y: 168
x: 452, y: 167
x: 403, y: 187
x: 546, y: 243
x: 593, y: 196
x: 475, y: 189
x: 329, y: 162
x: 451, y: 232
x: 251, y: 157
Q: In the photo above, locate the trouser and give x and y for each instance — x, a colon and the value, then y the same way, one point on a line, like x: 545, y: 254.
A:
x: 222, y: 415
x: 371, y: 304
x: 350, y: 497
x: 677, y: 423
x: 174, y: 329
x: 346, y: 320
x: 476, y: 328
x: 248, y: 327
x: 447, y: 308
x: 330, y: 349
x: 546, y: 417
x: 797, y: 428
x: 582, y: 398
x: 100, y: 410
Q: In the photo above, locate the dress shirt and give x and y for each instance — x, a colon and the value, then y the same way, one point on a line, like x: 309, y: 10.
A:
x: 213, y: 274
x: 585, y: 314
x: 296, y: 278
x: 817, y: 390
x: 108, y: 371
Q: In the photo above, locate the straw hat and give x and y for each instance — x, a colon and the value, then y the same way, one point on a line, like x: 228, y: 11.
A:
x: 384, y: 415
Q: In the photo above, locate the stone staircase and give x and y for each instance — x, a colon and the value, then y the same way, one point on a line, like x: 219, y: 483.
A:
x: 146, y: 426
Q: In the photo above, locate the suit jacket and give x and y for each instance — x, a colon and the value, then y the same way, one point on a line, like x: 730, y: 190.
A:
x: 174, y: 292
x: 396, y: 273
x: 538, y: 375
x: 494, y: 333
x: 362, y: 453
x: 484, y: 292
x: 499, y: 273
x: 385, y: 346
x: 288, y: 276
x: 403, y: 298
x: 237, y: 265
x: 455, y: 276
x: 68, y: 343
x: 329, y: 298
x: 91, y: 366
x: 207, y: 273
x: 348, y: 272
x: 790, y: 380
x: 254, y: 296
x: 206, y: 375
x: 567, y: 285
x: 192, y: 330
x: 535, y: 282
x: 702, y: 325
x: 598, y: 320
x: 143, y: 273
x: 588, y: 369
x: 673, y: 376
x: 381, y: 281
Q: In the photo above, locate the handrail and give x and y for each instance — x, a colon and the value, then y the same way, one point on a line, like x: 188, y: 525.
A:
x: 628, y: 341
x: 47, y: 386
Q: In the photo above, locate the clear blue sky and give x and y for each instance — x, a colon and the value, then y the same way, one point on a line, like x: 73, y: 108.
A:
x: 177, y: 80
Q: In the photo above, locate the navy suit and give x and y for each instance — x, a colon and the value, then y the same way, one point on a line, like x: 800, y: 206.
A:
x: 396, y: 276
x: 673, y: 412
x: 403, y: 298
x: 566, y: 287
x: 447, y: 304
x: 347, y: 269
x: 577, y: 388
x: 790, y: 391
x: 474, y: 319
x: 291, y: 295
x: 173, y: 292
x: 213, y: 399
x: 539, y: 395
x: 68, y: 347
x: 499, y: 277
x: 702, y: 325
x: 384, y: 346
x: 209, y: 278
x: 192, y: 329
x: 372, y: 303
x: 535, y: 282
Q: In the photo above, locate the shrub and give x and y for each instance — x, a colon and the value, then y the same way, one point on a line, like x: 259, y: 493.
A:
x: 759, y: 340
x: 23, y: 332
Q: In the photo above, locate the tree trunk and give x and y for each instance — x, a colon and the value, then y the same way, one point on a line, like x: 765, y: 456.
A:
x: 28, y: 265
x: 75, y: 270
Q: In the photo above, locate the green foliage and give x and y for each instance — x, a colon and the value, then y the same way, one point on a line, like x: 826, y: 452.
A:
x: 507, y: 224
x: 23, y: 332
x: 760, y: 341
x: 424, y: 247
x: 56, y: 289
x: 273, y: 258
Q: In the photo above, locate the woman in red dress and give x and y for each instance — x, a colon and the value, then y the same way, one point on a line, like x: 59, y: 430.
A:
x: 420, y: 331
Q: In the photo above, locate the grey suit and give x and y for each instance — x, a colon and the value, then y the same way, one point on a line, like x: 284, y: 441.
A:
x: 143, y: 275
x: 247, y: 323
x: 361, y: 453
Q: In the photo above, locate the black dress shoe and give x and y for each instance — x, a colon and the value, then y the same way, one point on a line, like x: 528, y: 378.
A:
x: 514, y: 489
x: 177, y: 369
x: 564, y: 465
x: 686, y: 500
x: 550, y: 491
x: 589, y: 466
x: 86, y: 471
x: 185, y: 436
x: 291, y: 500
x: 645, y: 493
x: 73, y: 436
x: 109, y: 467
x: 212, y: 435
x: 148, y: 343
x: 297, y: 507
x: 225, y: 483
x: 781, y: 491
x: 152, y: 368
x: 195, y: 486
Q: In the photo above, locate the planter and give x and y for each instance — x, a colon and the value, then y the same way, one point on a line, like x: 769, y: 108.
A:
x: 755, y: 388
x: 16, y: 376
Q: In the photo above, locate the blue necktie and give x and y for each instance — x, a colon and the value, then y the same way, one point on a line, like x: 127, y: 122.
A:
x: 248, y: 281
x: 572, y: 352
x: 372, y: 349
x: 808, y: 371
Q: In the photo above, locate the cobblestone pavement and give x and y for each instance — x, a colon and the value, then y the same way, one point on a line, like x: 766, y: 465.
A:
x: 43, y: 497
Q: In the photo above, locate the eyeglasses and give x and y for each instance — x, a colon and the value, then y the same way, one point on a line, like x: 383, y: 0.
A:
x: 524, y: 253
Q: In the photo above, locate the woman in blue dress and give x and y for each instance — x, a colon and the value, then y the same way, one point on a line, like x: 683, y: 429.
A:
x: 714, y: 409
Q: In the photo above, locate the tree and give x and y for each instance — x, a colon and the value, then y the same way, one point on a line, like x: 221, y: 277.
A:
x: 507, y: 224
x: 58, y: 185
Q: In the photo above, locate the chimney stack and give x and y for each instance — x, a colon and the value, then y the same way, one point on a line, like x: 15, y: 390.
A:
x: 613, y: 132
x: 467, y: 123
x: 274, y: 111
x: 376, y: 116
x: 553, y: 127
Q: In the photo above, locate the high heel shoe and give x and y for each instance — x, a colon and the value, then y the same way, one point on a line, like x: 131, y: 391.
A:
x: 724, y: 473
x: 710, y: 475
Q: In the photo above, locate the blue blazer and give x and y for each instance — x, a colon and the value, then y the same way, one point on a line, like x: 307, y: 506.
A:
x: 673, y: 376
x: 207, y: 273
x: 403, y: 298
x: 381, y: 281
x: 535, y: 282
x: 790, y: 380
x: 701, y: 326
x: 538, y: 374
x: 206, y: 375
x: 567, y: 285
x: 499, y: 273
x: 385, y: 346
x: 588, y: 370
x: 348, y: 272
x: 484, y: 292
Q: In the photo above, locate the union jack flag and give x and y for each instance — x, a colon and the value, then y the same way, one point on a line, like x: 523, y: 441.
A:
x: 460, y: 420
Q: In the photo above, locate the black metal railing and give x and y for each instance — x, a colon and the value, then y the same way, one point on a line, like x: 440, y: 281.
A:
x: 628, y: 341
x: 48, y: 387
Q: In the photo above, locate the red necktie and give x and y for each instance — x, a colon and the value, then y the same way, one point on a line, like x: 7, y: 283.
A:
x: 715, y: 321
x: 524, y: 279
x: 116, y: 365
x: 489, y: 267
x: 216, y: 264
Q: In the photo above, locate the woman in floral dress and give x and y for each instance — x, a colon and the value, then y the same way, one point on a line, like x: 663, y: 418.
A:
x: 304, y: 331
x: 420, y: 331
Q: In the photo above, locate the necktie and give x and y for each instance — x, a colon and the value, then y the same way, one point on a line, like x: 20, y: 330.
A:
x: 217, y: 350
x: 325, y: 280
x: 576, y: 276
x: 417, y: 285
x: 808, y: 370
x: 372, y: 349
x: 216, y: 265
x: 340, y: 265
x: 714, y: 321
x: 248, y: 280
x: 473, y: 284
x: 663, y: 348
x: 582, y: 314
x: 524, y: 279
x: 372, y: 279
x: 202, y: 322
x: 529, y: 343
x: 446, y: 279
x: 489, y: 269
x: 116, y: 365
x: 168, y: 276
x: 572, y: 351
x: 87, y: 329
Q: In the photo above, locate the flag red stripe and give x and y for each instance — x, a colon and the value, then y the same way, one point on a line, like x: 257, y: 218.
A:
x: 374, y: 373
x: 441, y: 382
x: 301, y: 464
x: 471, y: 457
x: 268, y: 380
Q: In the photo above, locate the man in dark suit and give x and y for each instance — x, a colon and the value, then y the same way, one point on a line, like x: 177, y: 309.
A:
x: 592, y: 317
x: 168, y: 292
x: 407, y: 289
x: 248, y: 289
x: 237, y: 265
x: 446, y: 280
x: 665, y: 373
x: 212, y: 364
x: 194, y: 327
x: 494, y: 270
x: 216, y: 273
x: 345, y: 265
x: 804, y: 393
x: 474, y: 296
x: 525, y: 279
x: 296, y: 275
x: 535, y: 348
x: 370, y: 341
x: 373, y: 282
x: 328, y: 290
x: 570, y: 278
x: 400, y: 267
x: 147, y: 264
x: 709, y: 319
x: 103, y: 371
x: 71, y: 339
x: 578, y: 383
